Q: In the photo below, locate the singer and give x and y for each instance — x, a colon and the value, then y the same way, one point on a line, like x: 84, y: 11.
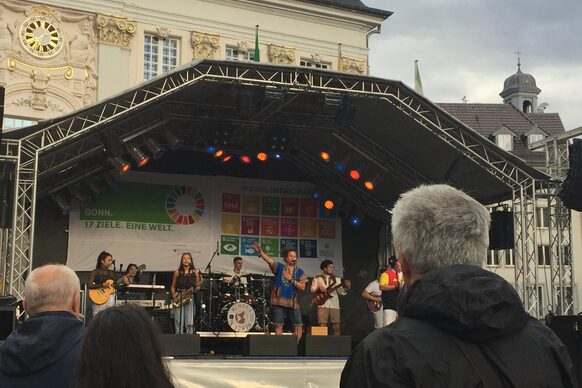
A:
x: 101, y: 284
x: 289, y: 279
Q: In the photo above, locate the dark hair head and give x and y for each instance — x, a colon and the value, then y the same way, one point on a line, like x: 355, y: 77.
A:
x: 392, y: 260
x: 236, y: 258
x: 381, y: 270
x: 285, y: 251
x: 181, y: 269
x: 122, y: 348
x: 325, y: 263
x: 101, y: 257
x: 129, y: 267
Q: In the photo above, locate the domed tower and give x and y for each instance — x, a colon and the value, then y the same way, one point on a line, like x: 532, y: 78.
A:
x: 521, y: 91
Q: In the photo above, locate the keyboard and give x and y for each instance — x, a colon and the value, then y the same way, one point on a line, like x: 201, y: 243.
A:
x: 143, y: 303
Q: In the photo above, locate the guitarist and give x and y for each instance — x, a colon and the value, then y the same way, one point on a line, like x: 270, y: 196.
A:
x: 331, y: 285
x: 373, y: 297
x: 390, y: 286
x: 102, y: 277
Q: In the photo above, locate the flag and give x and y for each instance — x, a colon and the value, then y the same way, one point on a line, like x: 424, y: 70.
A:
x: 417, y: 81
x: 257, y: 57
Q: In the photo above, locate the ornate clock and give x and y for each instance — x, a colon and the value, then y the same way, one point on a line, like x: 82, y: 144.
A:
x: 41, y: 36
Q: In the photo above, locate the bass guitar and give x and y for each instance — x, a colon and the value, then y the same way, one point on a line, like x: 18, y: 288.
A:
x: 320, y: 297
x: 374, y: 305
x: 100, y: 295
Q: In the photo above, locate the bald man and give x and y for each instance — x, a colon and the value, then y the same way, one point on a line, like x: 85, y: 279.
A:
x: 43, y: 351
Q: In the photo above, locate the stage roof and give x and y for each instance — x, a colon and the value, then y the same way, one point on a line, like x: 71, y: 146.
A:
x: 382, y: 127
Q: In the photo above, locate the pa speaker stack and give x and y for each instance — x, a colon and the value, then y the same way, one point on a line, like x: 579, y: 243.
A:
x: 571, y: 193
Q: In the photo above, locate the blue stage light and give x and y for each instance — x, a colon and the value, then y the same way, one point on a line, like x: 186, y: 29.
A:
x: 210, y: 149
x: 315, y: 195
x: 278, y: 156
x: 355, y: 220
x: 339, y: 166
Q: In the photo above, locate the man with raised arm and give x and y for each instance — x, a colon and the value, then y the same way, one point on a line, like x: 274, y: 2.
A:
x: 289, y: 279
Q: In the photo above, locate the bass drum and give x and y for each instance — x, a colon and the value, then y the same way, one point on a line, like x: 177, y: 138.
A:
x: 239, y: 316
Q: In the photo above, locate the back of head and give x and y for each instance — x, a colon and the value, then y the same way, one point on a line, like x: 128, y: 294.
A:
x: 122, y: 348
x: 436, y: 226
x: 51, y: 288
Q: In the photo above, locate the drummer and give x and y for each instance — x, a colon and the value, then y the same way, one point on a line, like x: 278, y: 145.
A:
x: 236, y: 276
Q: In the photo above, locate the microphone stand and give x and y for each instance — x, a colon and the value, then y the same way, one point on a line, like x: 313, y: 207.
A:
x: 208, y: 270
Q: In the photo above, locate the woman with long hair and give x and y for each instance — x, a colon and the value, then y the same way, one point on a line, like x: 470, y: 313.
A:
x: 122, y: 349
x: 185, y: 282
x: 102, y: 280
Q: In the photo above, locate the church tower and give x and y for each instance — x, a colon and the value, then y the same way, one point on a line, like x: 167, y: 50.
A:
x: 520, y: 90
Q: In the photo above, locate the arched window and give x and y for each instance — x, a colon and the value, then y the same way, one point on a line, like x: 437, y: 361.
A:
x: 527, y: 107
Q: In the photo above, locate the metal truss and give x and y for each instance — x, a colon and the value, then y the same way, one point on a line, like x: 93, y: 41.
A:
x: 48, y: 150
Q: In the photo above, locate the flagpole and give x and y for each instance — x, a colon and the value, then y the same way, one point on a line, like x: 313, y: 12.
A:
x: 257, y: 57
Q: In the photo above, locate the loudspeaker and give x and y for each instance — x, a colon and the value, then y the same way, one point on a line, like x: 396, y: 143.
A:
x: 567, y: 329
x: 7, y: 321
x: 501, y: 230
x: 571, y: 193
x: 326, y: 346
x: 271, y: 345
x: 2, y: 92
x: 6, y: 195
x: 181, y: 344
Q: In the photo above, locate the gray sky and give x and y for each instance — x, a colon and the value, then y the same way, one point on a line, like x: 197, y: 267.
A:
x: 467, y: 48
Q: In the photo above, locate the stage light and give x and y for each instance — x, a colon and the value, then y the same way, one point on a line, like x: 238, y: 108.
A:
x: 245, y: 159
x: 218, y: 153
x: 120, y: 164
x: 174, y: 142
x: 328, y: 204
x: 210, y: 149
x: 226, y: 159
x: 354, y: 174
x: 62, y: 202
x: 369, y: 185
x: 277, y: 156
x: 339, y: 166
x: 262, y: 156
x: 356, y: 219
x: 154, y: 148
x: 316, y: 195
x: 136, y: 153
x: 278, y: 137
x: 323, y: 155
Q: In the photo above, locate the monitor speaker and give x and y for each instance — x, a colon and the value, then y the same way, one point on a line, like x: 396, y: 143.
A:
x: 326, y: 346
x: 501, y: 230
x: 571, y: 193
x: 270, y: 345
x: 7, y: 321
x: 566, y: 328
x: 181, y: 345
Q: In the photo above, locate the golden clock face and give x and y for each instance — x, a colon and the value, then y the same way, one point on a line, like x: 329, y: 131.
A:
x: 41, y: 36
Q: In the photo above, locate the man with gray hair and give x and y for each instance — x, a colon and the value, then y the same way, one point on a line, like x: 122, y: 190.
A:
x: 43, y: 351
x: 459, y: 325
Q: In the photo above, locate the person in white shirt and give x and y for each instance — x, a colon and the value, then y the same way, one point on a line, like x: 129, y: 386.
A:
x: 373, y: 297
x: 235, y: 276
x: 329, y: 285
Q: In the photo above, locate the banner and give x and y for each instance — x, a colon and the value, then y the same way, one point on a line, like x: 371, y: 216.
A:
x: 153, y: 218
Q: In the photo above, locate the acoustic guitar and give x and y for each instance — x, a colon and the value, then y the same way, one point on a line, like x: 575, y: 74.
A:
x: 100, y: 295
x: 320, y: 297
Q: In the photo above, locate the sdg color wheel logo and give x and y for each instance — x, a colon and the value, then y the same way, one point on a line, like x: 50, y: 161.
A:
x: 185, y: 205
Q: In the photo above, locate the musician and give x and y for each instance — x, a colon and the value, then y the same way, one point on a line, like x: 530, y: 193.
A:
x: 289, y: 279
x: 185, y: 282
x: 331, y: 285
x: 390, y: 286
x: 236, y: 275
x: 99, y: 278
x: 130, y: 276
x: 372, y: 293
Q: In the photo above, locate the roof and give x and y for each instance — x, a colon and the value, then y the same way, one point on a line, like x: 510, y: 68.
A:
x: 353, y: 5
x: 519, y: 82
x: 488, y: 118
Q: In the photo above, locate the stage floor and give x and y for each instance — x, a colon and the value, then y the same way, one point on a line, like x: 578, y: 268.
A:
x: 257, y: 372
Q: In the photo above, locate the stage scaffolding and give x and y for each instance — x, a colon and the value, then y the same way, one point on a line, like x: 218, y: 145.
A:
x: 44, y: 152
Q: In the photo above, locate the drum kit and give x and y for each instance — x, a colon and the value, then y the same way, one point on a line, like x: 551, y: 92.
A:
x: 238, y: 306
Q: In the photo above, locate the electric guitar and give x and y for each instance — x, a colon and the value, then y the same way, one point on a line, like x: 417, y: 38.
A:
x: 374, y: 305
x: 320, y: 297
x: 100, y: 295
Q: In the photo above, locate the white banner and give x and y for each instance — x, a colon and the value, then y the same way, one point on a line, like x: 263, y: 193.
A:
x: 153, y: 218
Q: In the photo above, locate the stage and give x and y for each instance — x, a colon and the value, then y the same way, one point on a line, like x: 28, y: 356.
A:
x: 254, y: 372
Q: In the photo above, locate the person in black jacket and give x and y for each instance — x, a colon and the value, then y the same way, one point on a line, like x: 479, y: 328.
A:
x: 43, y: 351
x: 459, y: 325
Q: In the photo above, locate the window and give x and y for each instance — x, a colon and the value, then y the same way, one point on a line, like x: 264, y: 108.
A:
x: 543, y: 255
x: 532, y: 138
x: 317, y: 65
x: 543, y: 214
x: 15, y: 122
x: 508, y: 256
x: 504, y: 141
x: 493, y: 258
x: 234, y: 54
x: 160, y: 55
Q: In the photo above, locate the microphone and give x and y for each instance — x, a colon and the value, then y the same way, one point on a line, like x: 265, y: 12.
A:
x: 217, y: 250
x: 120, y: 267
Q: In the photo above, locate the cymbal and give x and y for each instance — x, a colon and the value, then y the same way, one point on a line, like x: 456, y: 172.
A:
x: 213, y: 275
x: 258, y: 276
